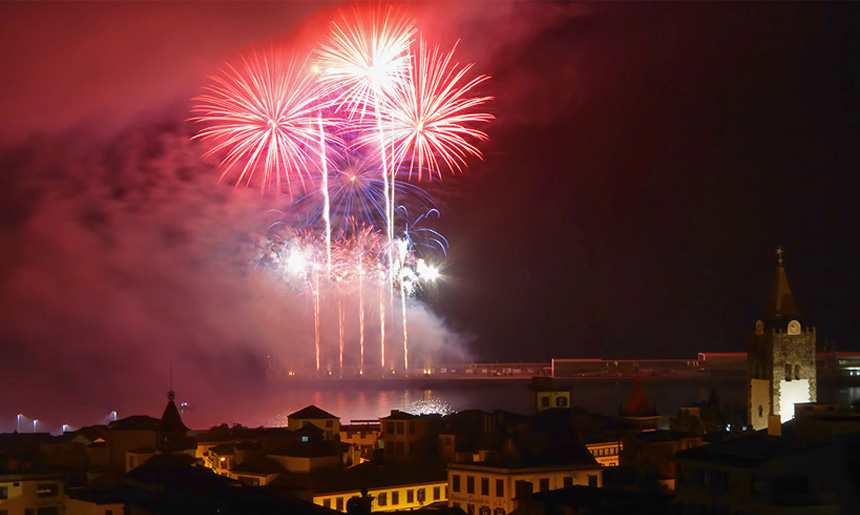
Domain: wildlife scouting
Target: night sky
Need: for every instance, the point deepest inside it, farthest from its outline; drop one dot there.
(646, 162)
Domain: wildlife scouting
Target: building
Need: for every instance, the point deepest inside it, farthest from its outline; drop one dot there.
(487, 488)
(638, 411)
(329, 423)
(30, 493)
(391, 486)
(545, 394)
(362, 437)
(769, 474)
(407, 437)
(781, 364)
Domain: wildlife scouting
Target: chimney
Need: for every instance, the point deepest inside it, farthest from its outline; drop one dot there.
(774, 425)
(523, 495)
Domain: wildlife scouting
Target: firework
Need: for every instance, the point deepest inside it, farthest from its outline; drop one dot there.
(261, 116)
(365, 58)
(356, 190)
(430, 119)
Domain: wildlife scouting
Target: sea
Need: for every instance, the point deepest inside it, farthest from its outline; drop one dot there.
(367, 400)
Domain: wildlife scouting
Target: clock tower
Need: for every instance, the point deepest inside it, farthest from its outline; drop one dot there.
(780, 357)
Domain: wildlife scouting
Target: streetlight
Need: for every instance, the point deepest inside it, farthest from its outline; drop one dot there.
(19, 422)
(34, 424)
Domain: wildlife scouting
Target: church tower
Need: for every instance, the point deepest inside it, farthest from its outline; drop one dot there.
(780, 357)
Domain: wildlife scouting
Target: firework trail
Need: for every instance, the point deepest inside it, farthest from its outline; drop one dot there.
(373, 116)
(365, 60)
(430, 119)
(261, 116)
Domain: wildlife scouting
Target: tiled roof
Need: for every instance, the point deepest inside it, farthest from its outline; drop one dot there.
(311, 412)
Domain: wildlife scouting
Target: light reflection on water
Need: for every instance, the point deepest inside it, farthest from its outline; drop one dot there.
(369, 401)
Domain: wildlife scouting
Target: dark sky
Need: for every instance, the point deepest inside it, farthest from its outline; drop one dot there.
(646, 161)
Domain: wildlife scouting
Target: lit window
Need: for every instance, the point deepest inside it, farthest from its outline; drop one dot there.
(47, 490)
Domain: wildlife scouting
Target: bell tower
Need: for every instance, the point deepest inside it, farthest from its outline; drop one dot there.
(780, 357)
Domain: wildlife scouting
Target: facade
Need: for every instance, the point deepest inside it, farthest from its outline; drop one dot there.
(388, 498)
(312, 415)
(606, 452)
(407, 437)
(30, 493)
(485, 489)
(546, 395)
(781, 365)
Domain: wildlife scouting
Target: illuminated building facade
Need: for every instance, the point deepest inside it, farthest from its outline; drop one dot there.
(781, 367)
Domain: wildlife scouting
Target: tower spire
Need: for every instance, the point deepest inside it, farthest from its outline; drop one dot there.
(170, 394)
(779, 255)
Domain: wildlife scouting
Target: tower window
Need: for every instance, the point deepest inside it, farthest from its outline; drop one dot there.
(760, 411)
(797, 371)
(788, 372)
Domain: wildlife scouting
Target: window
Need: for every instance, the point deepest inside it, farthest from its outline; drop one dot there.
(436, 493)
(47, 490)
(470, 484)
(561, 402)
(4, 493)
(456, 505)
(500, 488)
(592, 480)
(485, 510)
(568, 482)
(389, 428)
(400, 428)
(108, 512)
(382, 499)
(50, 510)
(797, 371)
(339, 504)
(788, 372)
(470, 509)
(410, 496)
(422, 494)
(760, 411)
(544, 484)
(455, 480)
(327, 503)
(485, 486)
(411, 426)
(395, 497)
(398, 448)
(329, 423)
(29, 511)
(499, 511)
(544, 402)
(304, 439)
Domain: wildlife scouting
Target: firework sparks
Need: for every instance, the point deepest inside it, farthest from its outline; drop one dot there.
(261, 116)
(365, 58)
(430, 119)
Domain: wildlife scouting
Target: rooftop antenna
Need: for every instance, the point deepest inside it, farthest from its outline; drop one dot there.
(170, 394)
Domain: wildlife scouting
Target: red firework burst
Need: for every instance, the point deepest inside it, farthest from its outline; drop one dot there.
(262, 116)
(431, 117)
(366, 58)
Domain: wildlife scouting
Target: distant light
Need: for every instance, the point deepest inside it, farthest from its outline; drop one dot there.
(223, 459)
